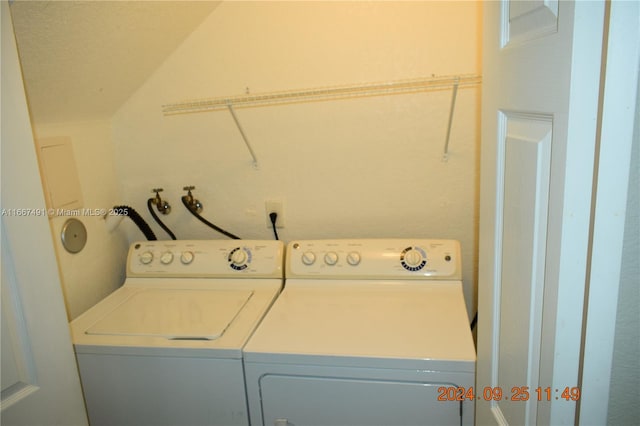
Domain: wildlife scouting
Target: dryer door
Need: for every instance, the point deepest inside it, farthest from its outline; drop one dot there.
(309, 400)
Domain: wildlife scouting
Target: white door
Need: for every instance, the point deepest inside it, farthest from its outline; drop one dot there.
(40, 383)
(540, 106)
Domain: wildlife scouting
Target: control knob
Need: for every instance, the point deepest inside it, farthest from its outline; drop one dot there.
(239, 256)
(308, 258)
(331, 258)
(166, 258)
(353, 258)
(412, 258)
(186, 257)
(146, 257)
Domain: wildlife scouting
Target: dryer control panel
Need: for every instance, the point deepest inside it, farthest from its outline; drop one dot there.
(206, 258)
(374, 259)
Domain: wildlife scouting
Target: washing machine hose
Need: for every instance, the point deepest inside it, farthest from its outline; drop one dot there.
(138, 220)
(474, 321)
(157, 219)
(206, 222)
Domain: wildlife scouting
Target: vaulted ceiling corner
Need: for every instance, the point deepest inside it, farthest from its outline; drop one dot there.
(82, 60)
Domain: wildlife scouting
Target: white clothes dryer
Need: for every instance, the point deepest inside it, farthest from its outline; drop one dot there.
(365, 332)
(166, 347)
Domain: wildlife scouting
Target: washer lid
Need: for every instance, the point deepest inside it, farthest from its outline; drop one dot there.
(173, 314)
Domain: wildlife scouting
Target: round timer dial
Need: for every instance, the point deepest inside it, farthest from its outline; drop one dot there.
(413, 258)
(239, 258)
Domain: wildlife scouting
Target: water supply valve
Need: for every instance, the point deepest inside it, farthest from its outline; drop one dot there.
(193, 204)
(163, 206)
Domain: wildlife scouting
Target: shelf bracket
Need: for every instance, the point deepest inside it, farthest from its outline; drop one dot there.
(244, 136)
(445, 155)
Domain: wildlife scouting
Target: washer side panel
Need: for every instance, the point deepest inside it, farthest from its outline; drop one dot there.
(148, 390)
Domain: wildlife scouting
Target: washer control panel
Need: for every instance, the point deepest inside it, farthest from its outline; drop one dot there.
(374, 259)
(206, 258)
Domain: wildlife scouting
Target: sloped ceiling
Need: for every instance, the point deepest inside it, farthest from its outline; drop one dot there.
(81, 60)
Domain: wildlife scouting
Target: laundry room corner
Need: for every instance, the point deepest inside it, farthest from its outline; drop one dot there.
(362, 167)
(72, 56)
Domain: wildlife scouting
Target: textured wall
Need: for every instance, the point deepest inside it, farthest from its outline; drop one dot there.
(82, 59)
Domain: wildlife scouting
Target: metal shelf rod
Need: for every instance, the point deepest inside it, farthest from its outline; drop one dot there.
(445, 156)
(244, 136)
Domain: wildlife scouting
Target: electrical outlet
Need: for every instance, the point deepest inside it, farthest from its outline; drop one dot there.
(274, 206)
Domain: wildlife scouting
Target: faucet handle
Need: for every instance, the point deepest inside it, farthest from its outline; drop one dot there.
(163, 206)
(194, 204)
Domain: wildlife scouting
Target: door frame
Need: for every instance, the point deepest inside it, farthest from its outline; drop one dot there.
(617, 120)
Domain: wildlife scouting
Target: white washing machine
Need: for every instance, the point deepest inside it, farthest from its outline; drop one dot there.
(166, 347)
(365, 332)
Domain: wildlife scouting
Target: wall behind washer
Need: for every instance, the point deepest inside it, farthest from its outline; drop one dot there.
(93, 273)
(366, 167)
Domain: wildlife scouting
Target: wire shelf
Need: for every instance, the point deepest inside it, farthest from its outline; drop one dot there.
(322, 93)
